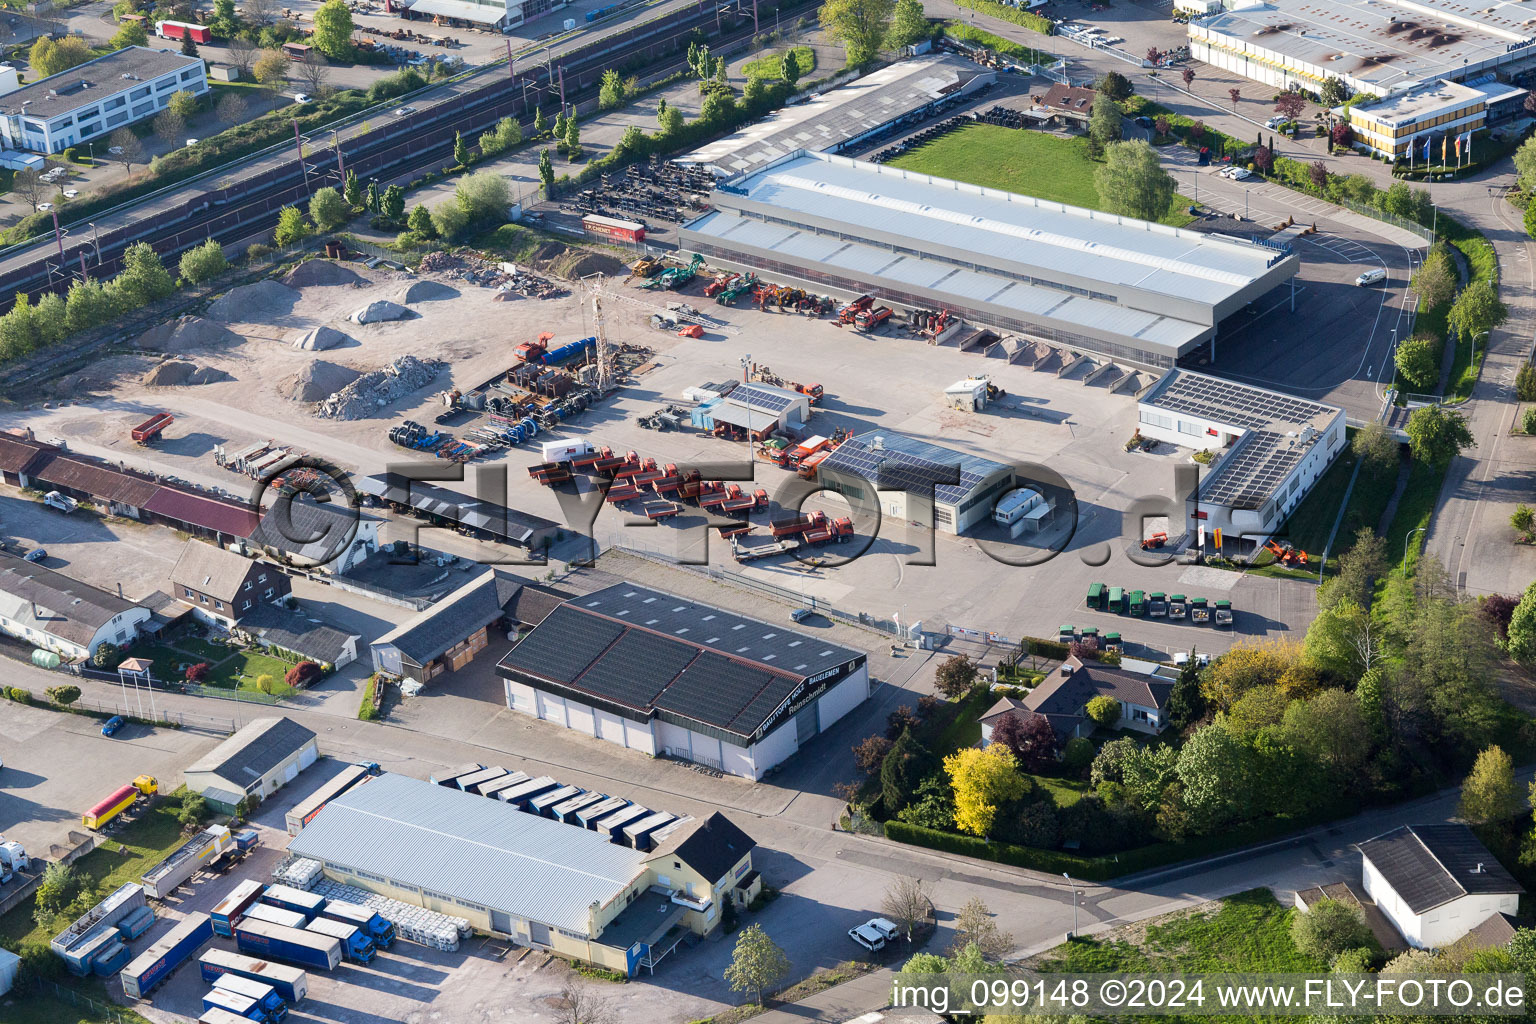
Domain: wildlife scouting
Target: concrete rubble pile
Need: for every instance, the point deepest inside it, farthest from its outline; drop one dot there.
(372, 391)
(505, 277)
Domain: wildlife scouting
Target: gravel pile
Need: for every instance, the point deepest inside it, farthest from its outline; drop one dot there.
(318, 339)
(372, 391)
(253, 303)
(322, 272)
(318, 380)
(380, 311)
(185, 334)
(425, 291)
(182, 373)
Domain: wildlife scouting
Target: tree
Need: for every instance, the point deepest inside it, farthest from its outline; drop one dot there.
(226, 21)
(1489, 793)
(509, 133)
(1333, 92)
(1328, 929)
(1029, 738)
(371, 197)
(328, 209)
(450, 221)
(333, 29)
(1331, 727)
(754, 94)
(1525, 382)
(1133, 182)
(789, 68)
(718, 107)
(194, 809)
(1114, 85)
(1216, 771)
(546, 174)
(203, 262)
(908, 25)
(266, 683)
(291, 226)
(1290, 104)
(315, 71)
(1477, 310)
(1243, 667)
(143, 278)
(198, 672)
(572, 140)
(242, 55)
(1376, 448)
(1317, 172)
(1234, 94)
(955, 677)
(170, 127)
(869, 754)
(611, 93)
(302, 674)
(129, 33)
(974, 925)
(49, 56)
(271, 71)
(1104, 710)
(1525, 164)
(57, 890)
(188, 46)
(671, 122)
(757, 963)
(1105, 124)
(982, 780)
(1522, 519)
(484, 195)
(906, 903)
(861, 26)
(63, 695)
(460, 150)
(1259, 708)
(1161, 126)
(1529, 220)
(49, 319)
(579, 1003)
(559, 127)
(1344, 640)
(1340, 135)
(352, 190)
(1437, 435)
(1264, 159)
(28, 183)
(903, 768)
(1188, 76)
(1436, 278)
(183, 105)
(260, 12)
(1522, 628)
(392, 203)
(1419, 363)
(420, 222)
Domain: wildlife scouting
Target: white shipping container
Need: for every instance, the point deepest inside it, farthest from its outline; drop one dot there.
(10, 963)
(564, 450)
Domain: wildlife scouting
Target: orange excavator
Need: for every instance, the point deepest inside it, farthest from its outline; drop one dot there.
(1285, 554)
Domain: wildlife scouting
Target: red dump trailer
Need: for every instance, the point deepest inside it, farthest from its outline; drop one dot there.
(150, 429)
(797, 524)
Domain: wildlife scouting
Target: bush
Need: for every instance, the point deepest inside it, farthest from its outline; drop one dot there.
(19, 695)
(366, 711)
(64, 695)
(1077, 755)
(197, 673)
(108, 655)
(204, 262)
(194, 810)
(302, 674)
(257, 251)
(1328, 929)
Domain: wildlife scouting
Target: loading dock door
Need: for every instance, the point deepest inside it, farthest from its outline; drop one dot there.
(538, 933)
(807, 723)
(501, 921)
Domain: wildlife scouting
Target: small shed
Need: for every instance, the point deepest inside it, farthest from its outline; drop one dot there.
(969, 395)
(10, 964)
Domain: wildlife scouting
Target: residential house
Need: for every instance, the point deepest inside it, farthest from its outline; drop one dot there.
(58, 613)
(257, 761)
(1436, 882)
(299, 631)
(223, 587)
(1067, 105)
(1063, 696)
(710, 862)
(330, 535)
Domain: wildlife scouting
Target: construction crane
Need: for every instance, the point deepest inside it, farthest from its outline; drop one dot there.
(604, 359)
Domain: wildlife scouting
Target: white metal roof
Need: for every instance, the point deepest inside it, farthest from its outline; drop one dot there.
(471, 848)
(461, 9)
(1009, 230)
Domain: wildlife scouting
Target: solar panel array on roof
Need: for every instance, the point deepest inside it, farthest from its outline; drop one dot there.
(1237, 404)
(761, 398)
(564, 645)
(1255, 468)
(905, 463)
(637, 668)
(718, 691)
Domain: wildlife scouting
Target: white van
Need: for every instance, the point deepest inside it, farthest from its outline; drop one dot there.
(1371, 277)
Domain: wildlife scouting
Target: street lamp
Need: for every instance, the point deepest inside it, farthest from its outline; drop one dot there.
(1418, 529)
(1074, 904)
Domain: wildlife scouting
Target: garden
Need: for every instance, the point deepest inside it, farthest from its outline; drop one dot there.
(220, 663)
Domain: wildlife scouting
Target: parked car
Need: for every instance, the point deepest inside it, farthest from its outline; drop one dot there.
(1182, 658)
(37, 554)
(1274, 122)
(1371, 277)
(71, 193)
(868, 937)
(44, 207)
(801, 614)
(1240, 174)
(111, 725)
(405, 111)
(304, 97)
(884, 927)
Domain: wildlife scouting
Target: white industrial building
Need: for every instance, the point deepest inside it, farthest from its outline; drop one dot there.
(1435, 883)
(894, 470)
(57, 613)
(497, 14)
(670, 677)
(1374, 46)
(262, 757)
(1269, 448)
(1081, 279)
(89, 102)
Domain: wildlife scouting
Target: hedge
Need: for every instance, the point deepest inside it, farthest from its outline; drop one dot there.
(1101, 868)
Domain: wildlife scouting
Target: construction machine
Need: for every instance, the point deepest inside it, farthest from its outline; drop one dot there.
(849, 314)
(1157, 540)
(871, 319)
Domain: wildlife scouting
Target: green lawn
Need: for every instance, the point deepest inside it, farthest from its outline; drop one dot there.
(1026, 162)
(962, 726)
(1248, 933)
(771, 67)
(230, 667)
(1414, 510)
(1065, 792)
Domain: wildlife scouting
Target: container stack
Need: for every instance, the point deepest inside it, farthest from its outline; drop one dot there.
(416, 924)
(300, 872)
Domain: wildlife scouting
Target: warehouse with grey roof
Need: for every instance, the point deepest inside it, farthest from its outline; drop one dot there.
(899, 473)
(258, 760)
(1083, 280)
(671, 677)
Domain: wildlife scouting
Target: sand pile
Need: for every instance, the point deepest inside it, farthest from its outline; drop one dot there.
(425, 291)
(318, 339)
(185, 334)
(318, 380)
(322, 272)
(182, 372)
(588, 263)
(372, 391)
(252, 303)
(380, 311)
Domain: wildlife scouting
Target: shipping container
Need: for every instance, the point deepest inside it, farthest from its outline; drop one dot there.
(232, 907)
(182, 30)
(450, 777)
(276, 915)
(566, 811)
(612, 826)
(614, 229)
(589, 816)
(241, 1006)
(305, 810)
(638, 833)
(258, 938)
(81, 957)
(219, 1015)
(136, 924)
(265, 995)
(355, 943)
(518, 796)
(471, 783)
(169, 952)
(125, 900)
(289, 898)
(189, 858)
(112, 958)
(544, 802)
(290, 982)
(373, 924)
(121, 799)
(564, 450)
(495, 788)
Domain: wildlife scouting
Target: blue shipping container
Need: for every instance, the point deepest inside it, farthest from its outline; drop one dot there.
(155, 964)
(290, 982)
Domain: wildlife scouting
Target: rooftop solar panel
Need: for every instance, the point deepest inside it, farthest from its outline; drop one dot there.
(562, 653)
(637, 668)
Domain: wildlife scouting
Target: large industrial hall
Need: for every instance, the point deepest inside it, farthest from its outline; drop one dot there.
(1097, 282)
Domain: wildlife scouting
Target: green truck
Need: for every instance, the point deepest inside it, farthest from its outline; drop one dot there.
(1096, 596)
(1223, 613)
(1178, 606)
(1157, 604)
(1116, 600)
(1199, 611)
(1138, 603)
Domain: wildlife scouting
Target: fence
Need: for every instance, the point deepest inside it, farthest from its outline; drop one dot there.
(104, 1011)
(191, 689)
(1366, 210)
(141, 709)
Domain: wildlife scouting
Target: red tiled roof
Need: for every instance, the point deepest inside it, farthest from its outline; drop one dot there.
(17, 452)
(210, 514)
(99, 481)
